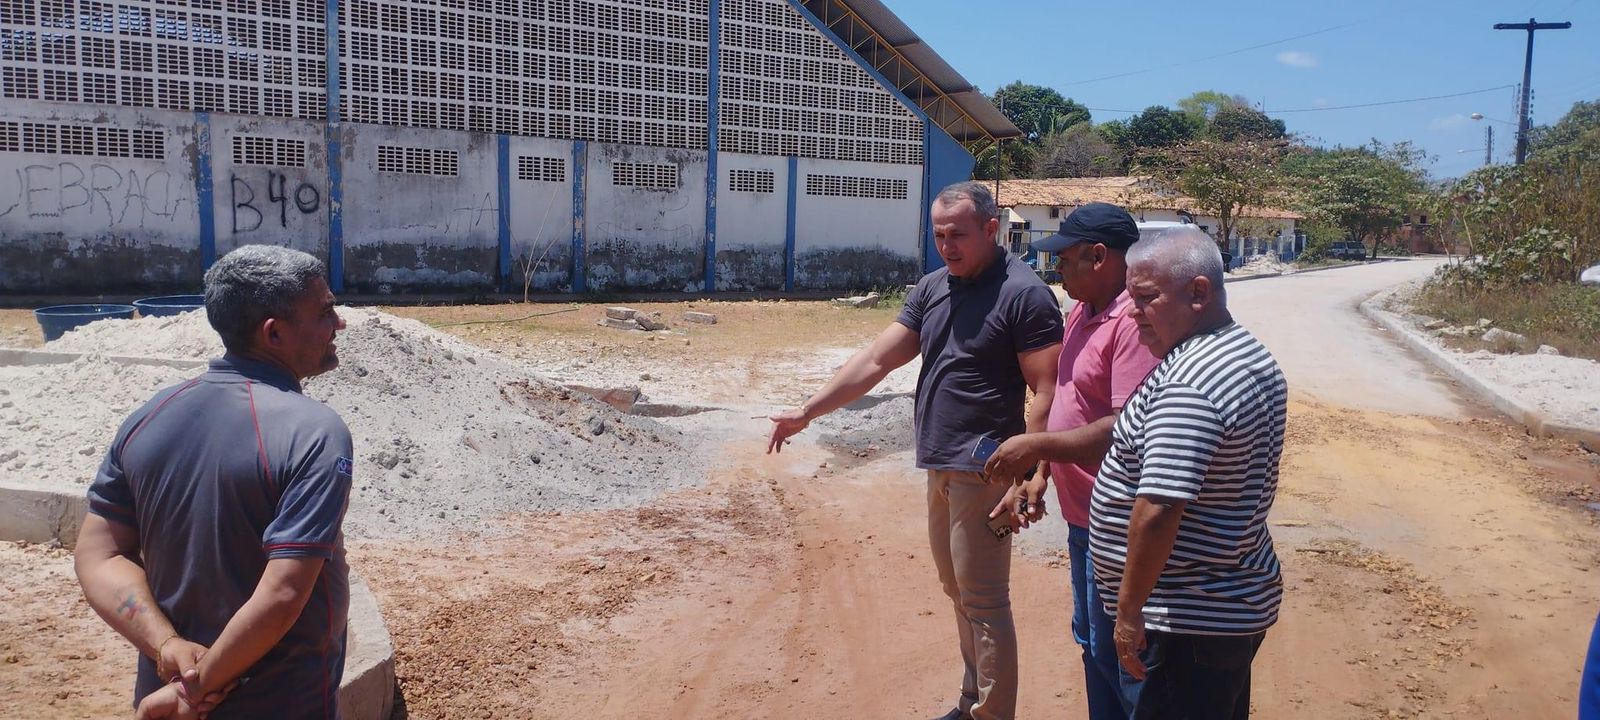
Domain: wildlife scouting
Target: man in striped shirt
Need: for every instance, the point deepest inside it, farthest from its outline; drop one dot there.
(1178, 518)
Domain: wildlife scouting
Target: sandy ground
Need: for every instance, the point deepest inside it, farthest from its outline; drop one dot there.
(1436, 566)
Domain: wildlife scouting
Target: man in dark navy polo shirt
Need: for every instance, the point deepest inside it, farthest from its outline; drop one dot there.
(988, 329)
(213, 538)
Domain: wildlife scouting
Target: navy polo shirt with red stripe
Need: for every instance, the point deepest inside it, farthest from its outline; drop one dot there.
(220, 474)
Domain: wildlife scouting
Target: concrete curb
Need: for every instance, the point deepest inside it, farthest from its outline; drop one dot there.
(366, 692)
(1537, 423)
(1320, 268)
(28, 356)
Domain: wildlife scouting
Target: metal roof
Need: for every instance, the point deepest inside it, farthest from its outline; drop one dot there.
(912, 67)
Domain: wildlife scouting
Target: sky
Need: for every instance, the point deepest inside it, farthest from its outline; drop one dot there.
(1333, 54)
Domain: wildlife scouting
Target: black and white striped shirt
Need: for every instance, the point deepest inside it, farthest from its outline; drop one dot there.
(1206, 427)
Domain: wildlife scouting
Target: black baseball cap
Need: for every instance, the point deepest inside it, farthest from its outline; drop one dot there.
(1096, 222)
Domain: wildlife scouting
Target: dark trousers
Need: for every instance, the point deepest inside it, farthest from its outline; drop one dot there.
(1197, 677)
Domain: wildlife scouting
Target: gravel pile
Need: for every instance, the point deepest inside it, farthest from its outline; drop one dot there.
(876, 424)
(447, 434)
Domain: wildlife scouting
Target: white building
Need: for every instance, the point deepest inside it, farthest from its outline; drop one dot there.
(423, 145)
(1035, 208)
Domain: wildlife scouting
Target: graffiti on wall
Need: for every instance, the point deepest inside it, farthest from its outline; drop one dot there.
(272, 204)
(99, 192)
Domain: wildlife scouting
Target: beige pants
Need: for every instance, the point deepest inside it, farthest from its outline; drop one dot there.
(975, 569)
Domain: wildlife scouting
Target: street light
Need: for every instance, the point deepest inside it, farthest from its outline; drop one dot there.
(1488, 137)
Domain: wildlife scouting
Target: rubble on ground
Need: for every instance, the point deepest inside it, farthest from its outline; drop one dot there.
(870, 300)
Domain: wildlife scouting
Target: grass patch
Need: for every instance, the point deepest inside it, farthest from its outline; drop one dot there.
(1564, 315)
(892, 297)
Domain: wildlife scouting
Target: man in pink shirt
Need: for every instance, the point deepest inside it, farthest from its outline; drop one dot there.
(1102, 363)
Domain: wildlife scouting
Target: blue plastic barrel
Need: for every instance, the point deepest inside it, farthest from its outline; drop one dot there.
(56, 320)
(169, 305)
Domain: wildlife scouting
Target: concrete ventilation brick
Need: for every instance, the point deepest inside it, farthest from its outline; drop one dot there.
(858, 187)
(751, 181)
(787, 90)
(238, 56)
(486, 67)
(279, 152)
(87, 140)
(645, 176)
(418, 161)
(541, 169)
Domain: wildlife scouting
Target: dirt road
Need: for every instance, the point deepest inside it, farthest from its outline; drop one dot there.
(1437, 566)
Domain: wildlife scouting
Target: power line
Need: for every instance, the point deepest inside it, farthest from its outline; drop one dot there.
(1390, 102)
(1213, 57)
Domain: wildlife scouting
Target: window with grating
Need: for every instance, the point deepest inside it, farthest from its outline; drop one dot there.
(36, 137)
(753, 181)
(257, 150)
(646, 176)
(418, 161)
(859, 187)
(541, 169)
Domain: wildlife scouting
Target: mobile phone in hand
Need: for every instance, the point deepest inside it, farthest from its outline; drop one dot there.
(1001, 525)
(985, 448)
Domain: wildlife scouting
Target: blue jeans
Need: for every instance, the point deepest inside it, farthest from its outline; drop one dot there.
(1112, 693)
(1589, 690)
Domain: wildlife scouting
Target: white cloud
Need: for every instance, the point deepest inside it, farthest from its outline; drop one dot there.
(1296, 58)
(1448, 122)
(1320, 102)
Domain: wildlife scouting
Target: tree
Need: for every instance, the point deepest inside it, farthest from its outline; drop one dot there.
(1038, 110)
(1222, 177)
(1078, 151)
(1019, 155)
(1366, 192)
(1559, 139)
(1243, 123)
(1205, 105)
(1159, 126)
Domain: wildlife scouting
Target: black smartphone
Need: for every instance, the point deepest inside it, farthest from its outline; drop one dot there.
(1000, 526)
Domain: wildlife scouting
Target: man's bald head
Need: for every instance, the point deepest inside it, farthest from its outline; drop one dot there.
(1175, 280)
(1179, 255)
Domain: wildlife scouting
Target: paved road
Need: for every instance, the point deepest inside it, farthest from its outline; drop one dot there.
(1328, 349)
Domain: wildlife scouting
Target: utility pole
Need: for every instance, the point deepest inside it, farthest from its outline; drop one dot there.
(1527, 77)
(1488, 145)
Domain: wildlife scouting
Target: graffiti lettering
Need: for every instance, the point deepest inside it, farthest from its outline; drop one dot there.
(67, 190)
(474, 215)
(307, 199)
(247, 217)
(237, 183)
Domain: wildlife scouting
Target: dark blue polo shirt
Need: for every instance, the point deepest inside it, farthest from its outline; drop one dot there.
(220, 474)
(971, 332)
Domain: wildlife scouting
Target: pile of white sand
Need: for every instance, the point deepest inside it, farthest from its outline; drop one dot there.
(447, 434)
(185, 335)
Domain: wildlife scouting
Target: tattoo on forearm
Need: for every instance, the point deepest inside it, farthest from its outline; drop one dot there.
(129, 609)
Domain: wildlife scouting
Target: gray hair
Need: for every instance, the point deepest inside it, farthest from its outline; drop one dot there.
(1180, 254)
(253, 283)
(977, 192)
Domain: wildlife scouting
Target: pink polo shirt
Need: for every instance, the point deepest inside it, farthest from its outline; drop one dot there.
(1102, 363)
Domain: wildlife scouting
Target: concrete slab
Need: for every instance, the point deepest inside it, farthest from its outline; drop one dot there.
(28, 356)
(40, 516)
